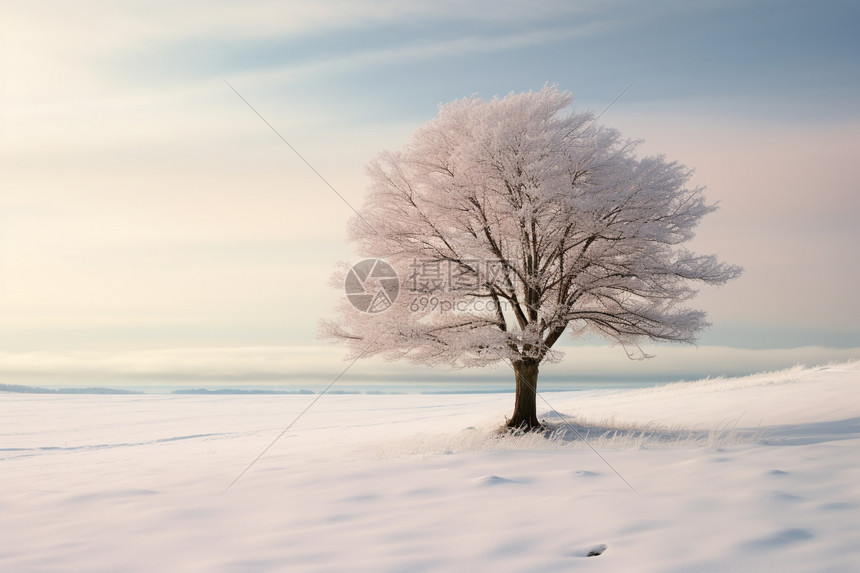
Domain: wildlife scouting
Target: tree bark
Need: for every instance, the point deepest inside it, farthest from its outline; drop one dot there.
(525, 404)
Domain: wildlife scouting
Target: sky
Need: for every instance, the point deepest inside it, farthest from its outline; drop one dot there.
(155, 231)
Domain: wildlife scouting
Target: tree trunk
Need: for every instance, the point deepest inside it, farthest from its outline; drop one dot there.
(525, 405)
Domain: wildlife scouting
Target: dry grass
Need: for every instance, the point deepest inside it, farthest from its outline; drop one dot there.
(573, 434)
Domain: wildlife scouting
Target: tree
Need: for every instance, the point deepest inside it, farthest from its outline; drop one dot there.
(509, 222)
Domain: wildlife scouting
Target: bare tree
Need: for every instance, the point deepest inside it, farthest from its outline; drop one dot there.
(510, 221)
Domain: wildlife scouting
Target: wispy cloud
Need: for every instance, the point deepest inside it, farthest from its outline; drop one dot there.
(421, 50)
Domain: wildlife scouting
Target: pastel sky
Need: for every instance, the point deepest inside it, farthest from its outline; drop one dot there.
(153, 230)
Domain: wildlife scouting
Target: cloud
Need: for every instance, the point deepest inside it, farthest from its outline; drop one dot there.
(176, 366)
(410, 52)
(595, 363)
(318, 365)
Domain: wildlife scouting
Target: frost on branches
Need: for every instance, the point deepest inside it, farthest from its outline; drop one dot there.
(531, 222)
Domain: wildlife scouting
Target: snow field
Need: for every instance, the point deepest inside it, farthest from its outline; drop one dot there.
(421, 483)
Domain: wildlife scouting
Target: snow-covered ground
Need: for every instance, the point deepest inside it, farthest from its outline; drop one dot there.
(747, 474)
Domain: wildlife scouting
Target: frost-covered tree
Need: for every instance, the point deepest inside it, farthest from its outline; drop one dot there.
(512, 221)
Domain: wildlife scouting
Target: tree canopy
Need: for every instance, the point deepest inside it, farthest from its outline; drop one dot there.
(511, 221)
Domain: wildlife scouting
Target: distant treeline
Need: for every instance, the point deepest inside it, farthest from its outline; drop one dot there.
(238, 391)
(21, 389)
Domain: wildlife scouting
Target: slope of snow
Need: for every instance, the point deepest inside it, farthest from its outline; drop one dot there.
(747, 474)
